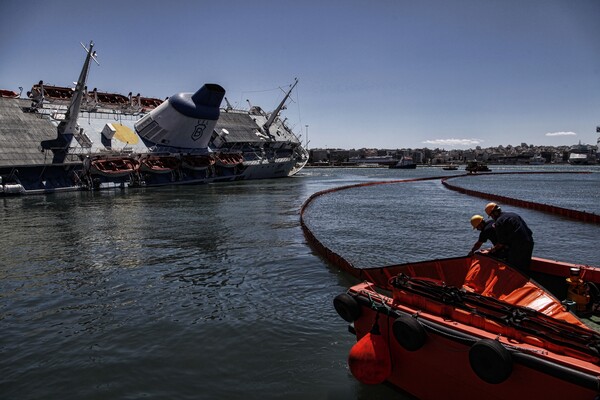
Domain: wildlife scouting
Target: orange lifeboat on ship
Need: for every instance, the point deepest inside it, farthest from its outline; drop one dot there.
(197, 162)
(229, 160)
(50, 92)
(477, 327)
(8, 94)
(113, 166)
(149, 103)
(159, 164)
(110, 99)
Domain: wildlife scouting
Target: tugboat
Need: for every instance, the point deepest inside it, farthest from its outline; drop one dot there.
(75, 139)
(476, 166)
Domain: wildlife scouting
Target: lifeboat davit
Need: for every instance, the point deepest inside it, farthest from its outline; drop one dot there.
(474, 328)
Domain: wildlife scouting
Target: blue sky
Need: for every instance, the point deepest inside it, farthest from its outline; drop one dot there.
(385, 74)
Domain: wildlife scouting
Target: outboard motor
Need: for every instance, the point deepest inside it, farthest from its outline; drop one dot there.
(184, 122)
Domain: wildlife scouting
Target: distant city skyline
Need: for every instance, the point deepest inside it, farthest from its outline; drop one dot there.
(520, 154)
(388, 73)
(441, 148)
(441, 145)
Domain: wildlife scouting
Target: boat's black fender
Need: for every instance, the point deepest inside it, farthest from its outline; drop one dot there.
(532, 361)
(347, 307)
(409, 332)
(490, 361)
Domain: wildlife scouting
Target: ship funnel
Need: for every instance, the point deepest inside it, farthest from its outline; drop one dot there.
(185, 122)
(210, 95)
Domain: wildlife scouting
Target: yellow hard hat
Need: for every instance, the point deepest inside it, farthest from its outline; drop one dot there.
(490, 207)
(476, 220)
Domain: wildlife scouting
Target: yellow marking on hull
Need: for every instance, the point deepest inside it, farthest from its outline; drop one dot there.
(125, 134)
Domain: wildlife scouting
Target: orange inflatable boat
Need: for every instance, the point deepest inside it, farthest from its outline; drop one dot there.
(475, 328)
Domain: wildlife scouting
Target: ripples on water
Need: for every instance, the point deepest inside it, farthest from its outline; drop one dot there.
(211, 291)
(413, 221)
(575, 191)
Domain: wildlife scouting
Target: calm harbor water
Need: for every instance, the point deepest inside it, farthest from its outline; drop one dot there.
(211, 292)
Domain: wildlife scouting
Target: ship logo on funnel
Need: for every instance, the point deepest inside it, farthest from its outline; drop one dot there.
(198, 130)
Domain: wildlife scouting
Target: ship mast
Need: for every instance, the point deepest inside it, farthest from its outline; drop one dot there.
(229, 107)
(274, 114)
(69, 125)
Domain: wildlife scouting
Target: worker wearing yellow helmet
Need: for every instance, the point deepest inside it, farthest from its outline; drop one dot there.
(486, 232)
(514, 237)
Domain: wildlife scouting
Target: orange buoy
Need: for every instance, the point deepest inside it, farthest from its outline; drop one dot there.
(369, 359)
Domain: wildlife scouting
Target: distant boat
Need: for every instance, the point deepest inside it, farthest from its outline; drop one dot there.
(537, 160)
(404, 163)
(450, 167)
(374, 160)
(582, 154)
(476, 166)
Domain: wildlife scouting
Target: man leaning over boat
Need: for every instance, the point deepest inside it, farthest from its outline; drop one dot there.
(487, 231)
(514, 237)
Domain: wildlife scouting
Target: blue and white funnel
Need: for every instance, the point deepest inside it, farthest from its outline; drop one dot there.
(185, 122)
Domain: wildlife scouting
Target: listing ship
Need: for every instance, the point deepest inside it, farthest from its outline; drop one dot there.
(63, 139)
(582, 154)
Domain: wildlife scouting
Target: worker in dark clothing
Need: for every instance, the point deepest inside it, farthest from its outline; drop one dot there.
(514, 236)
(486, 229)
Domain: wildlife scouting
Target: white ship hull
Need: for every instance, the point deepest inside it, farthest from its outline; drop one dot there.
(582, 159)
(582, 154)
